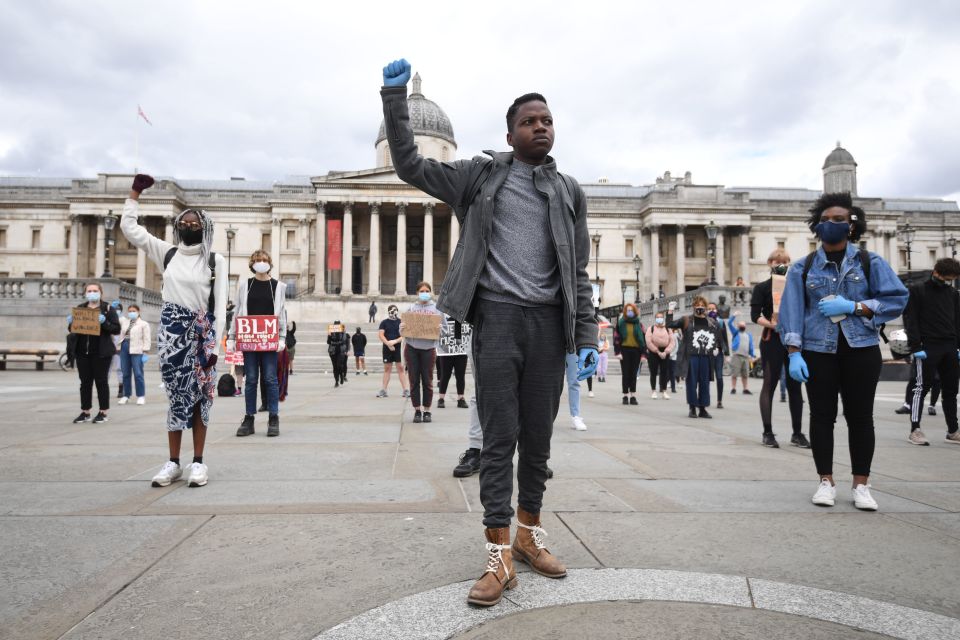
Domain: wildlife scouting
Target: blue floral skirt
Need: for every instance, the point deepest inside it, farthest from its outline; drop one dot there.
(186, 341)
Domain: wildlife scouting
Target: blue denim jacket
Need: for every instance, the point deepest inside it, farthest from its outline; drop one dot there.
(801, 323)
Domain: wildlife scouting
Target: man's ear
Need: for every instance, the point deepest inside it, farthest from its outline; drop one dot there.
(510, 139)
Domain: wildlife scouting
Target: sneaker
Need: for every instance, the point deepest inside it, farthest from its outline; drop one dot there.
(246, 427)
(365, 372)
(633, 400)
(625, 401)
(356, 373)
(902, 410)
(577, 423)
(417, 416)
(427, 417)
(83, 417)
(273, 426)
(693, 413)
(826, 495)
(198, 475)
(382, 393)
(590, 394)
(783, 398)
(862, 498)
(123, 400)
(703, 413)
(800, 440)
(549, 473)
(238, 392)
(931, 410)
(336, 385)
(169, 472)
(916, 437)
(101, 417)
(462, 404)
(953, 437)
(469, 464)
(666, 396)
(141, 400)
(263, 407)
(441, 404)
(747, 392)
(654, 395)
(719, 405)
(733, 392)
(770, 440)
(406, 393)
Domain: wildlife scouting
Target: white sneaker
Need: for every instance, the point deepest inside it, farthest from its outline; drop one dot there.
(826, 495)
(666, 395)
(590, 394)
(953, 437)
(654, 395)
(141, 400)
(123, 400)
(198, 475)
(578, 423)
(170, 472)
(862, 498)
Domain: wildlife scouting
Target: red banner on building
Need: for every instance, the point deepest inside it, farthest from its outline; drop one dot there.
(334, 244)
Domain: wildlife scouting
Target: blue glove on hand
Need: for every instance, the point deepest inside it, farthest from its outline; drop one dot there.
(144, 358)
(798, 368)
(397, 73)
(837, 306)
(587, 365)
(69, 319)
(103, 318)
(922, 355)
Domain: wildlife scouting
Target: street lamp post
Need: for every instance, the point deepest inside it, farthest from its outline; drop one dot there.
(231, 234)
(908, 235)
(636, 269)
(596, 263)
(712, 237)
(108, 223)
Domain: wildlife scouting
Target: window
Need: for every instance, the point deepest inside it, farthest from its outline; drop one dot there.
(265, 242)
(753, 253)
(63, 274)
(933, 256)
(660, 247)
(35, 238)
(781, 244)
(291, 238)
(688, 251)
(33, 274)
(903, 257)
(628, 247)
(3, 238)
(66, 237)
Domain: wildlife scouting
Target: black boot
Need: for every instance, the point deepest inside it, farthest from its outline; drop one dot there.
(469, 464)
(441, 404)
(273, 426)
(246, 427)
(417, 416)
(427, 417)
(693, 412)
(703, 413)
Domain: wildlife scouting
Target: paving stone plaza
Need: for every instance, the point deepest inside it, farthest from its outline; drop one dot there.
(350, 525)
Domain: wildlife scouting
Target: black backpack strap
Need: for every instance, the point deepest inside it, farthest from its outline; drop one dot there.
(807, 264)
(865, 265)
(168, 257)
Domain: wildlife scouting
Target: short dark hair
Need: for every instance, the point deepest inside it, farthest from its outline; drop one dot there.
(843, 200)
(947, 267)
(525, 98)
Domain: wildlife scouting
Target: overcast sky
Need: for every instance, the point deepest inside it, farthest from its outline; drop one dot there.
(740, 94)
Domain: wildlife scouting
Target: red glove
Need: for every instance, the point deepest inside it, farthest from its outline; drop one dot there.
(142, 181)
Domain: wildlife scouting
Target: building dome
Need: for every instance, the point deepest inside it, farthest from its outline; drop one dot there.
(839, 156)
(426, 117)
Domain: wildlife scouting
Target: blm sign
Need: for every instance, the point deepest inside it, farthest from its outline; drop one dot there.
(258, 333)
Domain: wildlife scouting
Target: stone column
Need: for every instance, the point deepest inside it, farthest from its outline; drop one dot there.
(745, 254)
(275, 229)
(401, 249)
(100, 254)
(645, 253)
(346, 281)
(454, 235)
(428, 243)
(373, 282)
(320, 261)
(655, 259)
(681, 259)
(73, 248)
(720, 257)
(168, 228)
(304, 254)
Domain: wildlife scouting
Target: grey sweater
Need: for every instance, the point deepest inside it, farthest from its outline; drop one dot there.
(521, 266)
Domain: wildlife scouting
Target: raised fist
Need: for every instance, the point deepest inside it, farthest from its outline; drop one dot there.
(142, 181)
(397, 73)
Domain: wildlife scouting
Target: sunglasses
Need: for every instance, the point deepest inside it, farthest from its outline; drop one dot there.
(189, 225)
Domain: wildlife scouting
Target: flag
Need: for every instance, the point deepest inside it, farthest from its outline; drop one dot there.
(143, 115)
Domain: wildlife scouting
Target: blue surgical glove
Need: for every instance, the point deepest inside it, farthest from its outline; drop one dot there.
(70, 319)
(920, 355)
(838, 306)
(103, 318)
(144, 358)
(397, 73)
(798, 368)
(587, 364)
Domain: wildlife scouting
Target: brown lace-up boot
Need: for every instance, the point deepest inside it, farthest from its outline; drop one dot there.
(499, 574)
(528, 546)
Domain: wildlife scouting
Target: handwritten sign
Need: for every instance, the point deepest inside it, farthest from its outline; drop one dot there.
(258, 333)
(336, 328)
(448, 344)
(779, 282)
(86, 321)
(234, 357)
(425, 326)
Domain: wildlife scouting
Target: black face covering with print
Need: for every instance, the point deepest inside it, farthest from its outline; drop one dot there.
(191, 237)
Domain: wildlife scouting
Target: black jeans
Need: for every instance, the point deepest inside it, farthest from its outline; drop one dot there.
(629, 365)
(456, 365)
(774, 356)
(519, 360)
(657, 367)
(93, 369)
(941, 359)
(852, 374)
(420, 364)
(717, 362)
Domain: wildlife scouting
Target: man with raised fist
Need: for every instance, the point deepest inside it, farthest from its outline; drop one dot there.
(519, 276)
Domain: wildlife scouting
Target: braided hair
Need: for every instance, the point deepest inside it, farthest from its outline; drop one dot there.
(205, 222)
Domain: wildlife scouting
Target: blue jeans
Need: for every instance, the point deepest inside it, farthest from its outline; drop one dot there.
(255, 363)
(698, 381)
(573, 385)
(131, 363)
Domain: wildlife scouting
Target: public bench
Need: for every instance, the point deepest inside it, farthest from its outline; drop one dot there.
(39, 356)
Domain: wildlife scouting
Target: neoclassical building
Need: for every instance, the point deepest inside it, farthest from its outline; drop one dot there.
(344, 238)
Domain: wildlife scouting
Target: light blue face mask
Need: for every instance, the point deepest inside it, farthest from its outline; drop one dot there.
(93, 296)
(133, 315)
(424, 296)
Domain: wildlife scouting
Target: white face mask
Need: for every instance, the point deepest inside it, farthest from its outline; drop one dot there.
(261, 267)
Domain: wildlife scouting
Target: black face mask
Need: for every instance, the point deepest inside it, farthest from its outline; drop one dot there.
(191, 237)
(780, 269)
(940, 283)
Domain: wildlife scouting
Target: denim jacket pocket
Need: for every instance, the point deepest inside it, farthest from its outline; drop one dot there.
(855, 287)
(819, 287)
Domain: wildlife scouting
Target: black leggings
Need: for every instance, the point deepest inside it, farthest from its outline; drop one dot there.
(420, 364)
(657, 367)
(774, 356)
(93, 369)
(629, 364)
(456, 365)
(852, 374)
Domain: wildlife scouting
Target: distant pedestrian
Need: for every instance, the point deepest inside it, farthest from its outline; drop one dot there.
(702, 343)
(573, 392)
(133, 354)
(421, 355)
(93, 355)
(291, 346)
(720, 358)
(372, 312)
(660, 344)
(629, 345)
(115, 365)
(389, 335)
(359, 342)
(338, 348)
(604, 349)
(741, 354)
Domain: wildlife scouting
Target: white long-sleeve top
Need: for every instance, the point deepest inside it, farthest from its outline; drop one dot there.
(186, 280)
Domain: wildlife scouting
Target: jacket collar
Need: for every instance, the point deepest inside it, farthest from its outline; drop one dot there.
(547, 169)
(849, 255)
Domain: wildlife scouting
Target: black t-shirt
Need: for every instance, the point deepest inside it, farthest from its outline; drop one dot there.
(260, 297)
(836, 256)
(390, 328)
(761, 303)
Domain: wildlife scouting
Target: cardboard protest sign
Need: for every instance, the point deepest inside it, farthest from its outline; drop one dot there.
(234, 357)
(425, 326)
(336, 328)
(86, 321)
(448, 344)
(258, 333)
(779, 282)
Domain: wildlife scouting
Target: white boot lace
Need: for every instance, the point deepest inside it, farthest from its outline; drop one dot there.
(537, 532)
(495, 559)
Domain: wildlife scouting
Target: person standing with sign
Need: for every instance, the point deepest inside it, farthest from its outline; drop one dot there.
(421, 356)
(703, 342)
(261, 295)
(832, 307)
(452, 358)
(133, 354)
(338, 348)
(389, 335)
(95, 323)
(528, 298)
(192, 316)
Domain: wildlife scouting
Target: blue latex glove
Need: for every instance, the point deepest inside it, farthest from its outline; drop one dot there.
(103, 318)
(921, 355)
(587, 365)
(144, 358)
(69, 319)
(837, 306)
(115, 304)
(397, 73)
(798, 368)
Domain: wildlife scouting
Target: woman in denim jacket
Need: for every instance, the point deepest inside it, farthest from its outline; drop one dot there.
(829, 322)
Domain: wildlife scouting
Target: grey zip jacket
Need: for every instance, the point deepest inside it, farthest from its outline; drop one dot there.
(480, 177)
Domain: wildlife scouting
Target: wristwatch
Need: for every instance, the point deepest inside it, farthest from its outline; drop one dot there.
(858, 309)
